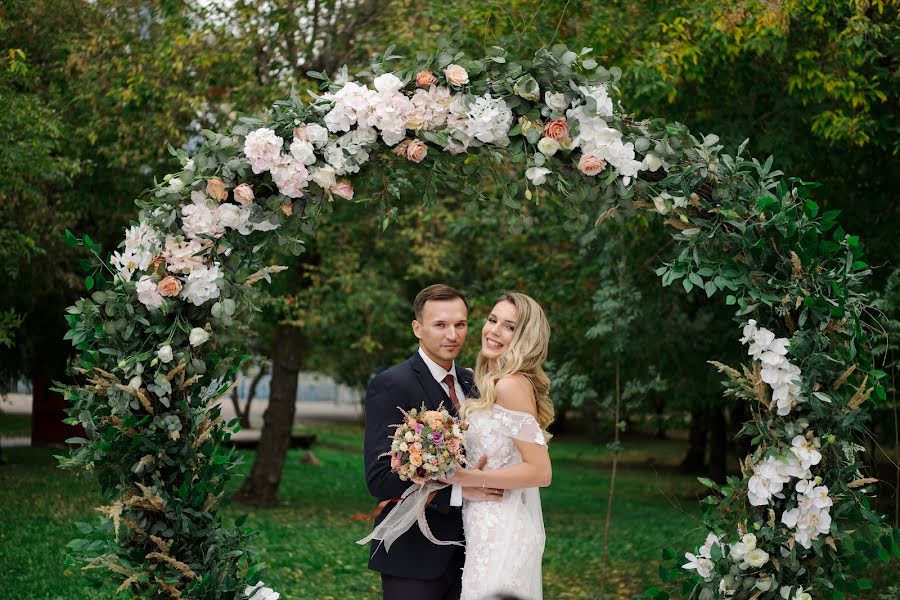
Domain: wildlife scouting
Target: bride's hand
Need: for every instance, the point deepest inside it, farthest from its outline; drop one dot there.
(466, 477)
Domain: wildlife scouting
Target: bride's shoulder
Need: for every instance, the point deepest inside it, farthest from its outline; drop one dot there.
(514, 392)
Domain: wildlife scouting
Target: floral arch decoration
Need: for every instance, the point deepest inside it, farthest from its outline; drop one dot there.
(151, 339)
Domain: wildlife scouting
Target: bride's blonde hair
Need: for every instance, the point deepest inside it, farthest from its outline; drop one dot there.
(525, 355)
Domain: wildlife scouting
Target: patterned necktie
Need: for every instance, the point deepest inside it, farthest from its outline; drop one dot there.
(451, 384)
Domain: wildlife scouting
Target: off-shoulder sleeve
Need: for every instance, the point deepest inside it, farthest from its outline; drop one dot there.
(517, 425)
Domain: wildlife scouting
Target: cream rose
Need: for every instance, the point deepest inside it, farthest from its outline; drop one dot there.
(591, 165)
(198, 336)
(169, 287)
(244, 194)
(548, 146)
(456, 75)
(164, 354)
(425, 78)
(324, 177)
(558, 129)
(416, 151)
(756, 558)
(215, 189)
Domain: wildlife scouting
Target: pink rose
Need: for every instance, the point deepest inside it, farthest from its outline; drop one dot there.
(452, 445)
(591, 165)
(400, 149)
(416, 151)
(215, 188)
(244, 194)
(343, 189)
(169, 287)
(425, 78)
(557, 129)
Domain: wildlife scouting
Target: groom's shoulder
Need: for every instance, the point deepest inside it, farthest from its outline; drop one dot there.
(399, 372)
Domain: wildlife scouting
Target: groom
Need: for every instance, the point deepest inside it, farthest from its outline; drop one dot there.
(416, 569)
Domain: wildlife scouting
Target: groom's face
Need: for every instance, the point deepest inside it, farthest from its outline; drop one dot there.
(442, 329)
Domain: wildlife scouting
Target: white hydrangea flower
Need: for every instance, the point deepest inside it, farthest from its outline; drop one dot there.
(303, 151)
(316, 134)
(488, 120)
(263, 149)
(180, 256)
(291, 177)
(597, 138)
(352, 104)
(429, 109)
(201, 217)
(202, 285)
(147, 294)
(236, 217)
(389, 113)
(388, 84)
(600, 96)
(555, 101)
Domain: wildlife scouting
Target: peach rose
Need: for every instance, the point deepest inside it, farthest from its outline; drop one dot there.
(215, 188)
(343, 188)
(287, 209)
(452, 445)
(169, 287)
(456, 75)
(400, 149)
(415, 459)
(591, 165)
(557, 129)
(416, 150)
(244, 194)
(425, 78)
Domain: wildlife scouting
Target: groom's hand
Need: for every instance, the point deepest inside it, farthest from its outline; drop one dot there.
(480, 494)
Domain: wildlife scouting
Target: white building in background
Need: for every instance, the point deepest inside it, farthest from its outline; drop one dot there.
(311, 387)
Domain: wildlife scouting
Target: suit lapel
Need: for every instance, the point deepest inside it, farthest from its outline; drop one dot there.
(434, 393)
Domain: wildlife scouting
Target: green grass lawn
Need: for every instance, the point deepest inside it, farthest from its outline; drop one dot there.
(307, 542)
(15, 425)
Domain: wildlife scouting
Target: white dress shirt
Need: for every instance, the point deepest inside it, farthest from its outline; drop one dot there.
(439, 373)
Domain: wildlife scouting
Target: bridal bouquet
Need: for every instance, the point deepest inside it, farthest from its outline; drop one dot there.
(428, 445)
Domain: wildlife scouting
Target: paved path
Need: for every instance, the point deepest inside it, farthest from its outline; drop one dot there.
(306, 412)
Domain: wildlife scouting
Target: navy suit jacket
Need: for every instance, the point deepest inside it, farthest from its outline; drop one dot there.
(408, 385)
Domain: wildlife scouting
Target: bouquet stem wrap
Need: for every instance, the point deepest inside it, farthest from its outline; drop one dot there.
(410, 509)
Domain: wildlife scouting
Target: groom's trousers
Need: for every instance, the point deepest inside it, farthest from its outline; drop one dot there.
(446, 587)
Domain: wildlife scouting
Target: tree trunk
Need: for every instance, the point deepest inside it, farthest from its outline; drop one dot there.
(695, 459)
(251, 393)
(261, 487)
(48, 409)
(718, 444)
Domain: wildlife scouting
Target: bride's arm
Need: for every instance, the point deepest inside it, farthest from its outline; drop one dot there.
(514, 393)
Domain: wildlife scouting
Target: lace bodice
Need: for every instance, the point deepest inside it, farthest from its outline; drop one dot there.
(504, 540)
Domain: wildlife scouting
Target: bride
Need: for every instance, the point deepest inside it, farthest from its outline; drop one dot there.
(505, 540)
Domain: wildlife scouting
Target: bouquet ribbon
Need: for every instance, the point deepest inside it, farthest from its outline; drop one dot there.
(410, 509)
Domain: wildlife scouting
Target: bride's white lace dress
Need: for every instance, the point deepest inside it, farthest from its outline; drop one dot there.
(504, 540)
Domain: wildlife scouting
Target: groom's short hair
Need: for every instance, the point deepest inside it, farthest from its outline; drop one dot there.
(438, 291)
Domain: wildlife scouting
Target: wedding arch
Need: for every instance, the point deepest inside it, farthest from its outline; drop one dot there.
(152, 338)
